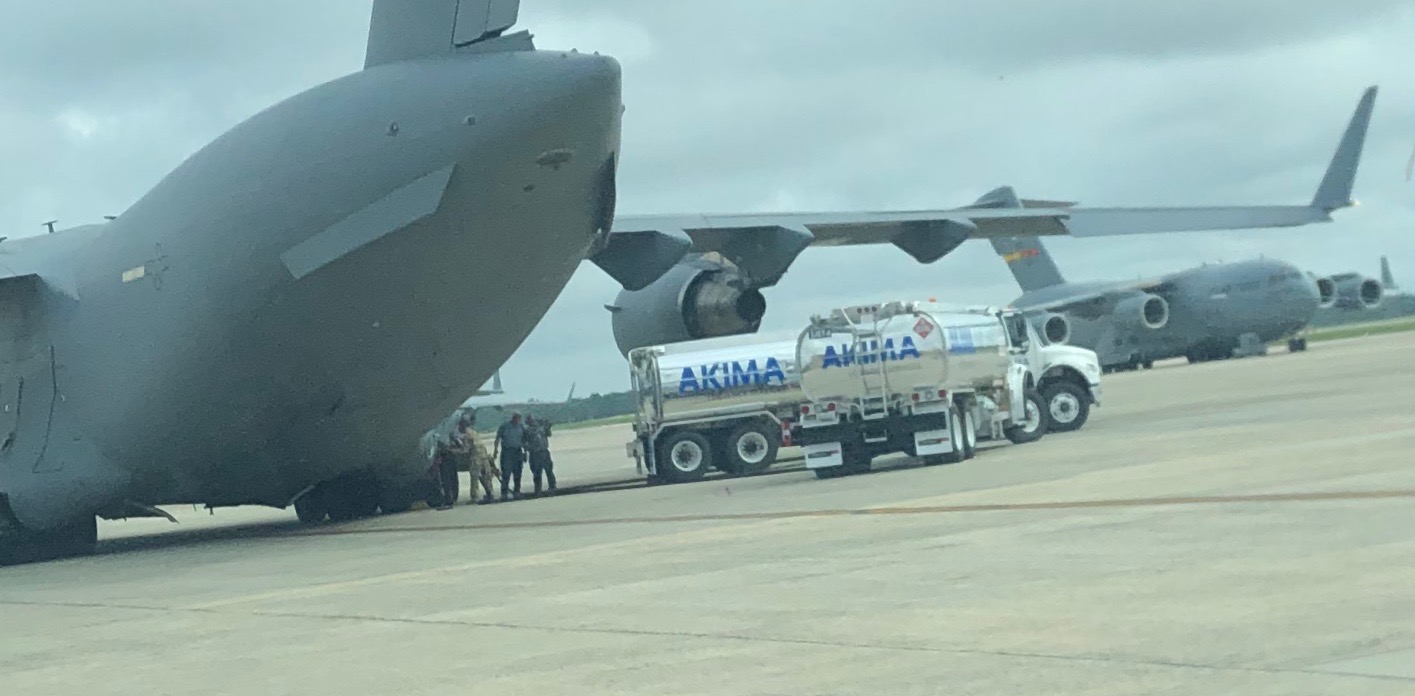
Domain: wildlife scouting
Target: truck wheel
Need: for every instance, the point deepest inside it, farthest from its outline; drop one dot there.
(857, 461)
(1296, 345)
(955, 439)
(830, 472)
(751, 449)
(1068, 406)
(684, 456)
(970, 434)
(1034, 425)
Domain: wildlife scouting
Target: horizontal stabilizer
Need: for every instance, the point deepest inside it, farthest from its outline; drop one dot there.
(410, 29)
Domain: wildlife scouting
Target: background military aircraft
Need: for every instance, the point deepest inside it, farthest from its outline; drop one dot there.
(1353, 297)
(1204, 313)
(267, 325)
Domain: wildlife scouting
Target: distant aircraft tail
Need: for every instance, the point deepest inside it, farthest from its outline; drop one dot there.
(1387, 279)
(408, 29)
(1030, 262)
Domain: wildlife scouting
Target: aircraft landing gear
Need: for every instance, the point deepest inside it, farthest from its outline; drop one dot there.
(346, 498)
(20, 545)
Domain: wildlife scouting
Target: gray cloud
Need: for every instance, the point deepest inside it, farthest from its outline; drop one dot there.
(773, 105)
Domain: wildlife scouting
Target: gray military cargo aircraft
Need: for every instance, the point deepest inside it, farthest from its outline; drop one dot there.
(1207, 313)
(715, 290)
(281, 319)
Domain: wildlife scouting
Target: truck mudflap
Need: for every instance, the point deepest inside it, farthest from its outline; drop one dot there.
(824, 455)
(928, 443)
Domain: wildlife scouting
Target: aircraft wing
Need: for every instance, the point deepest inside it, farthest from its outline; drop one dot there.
(641, 248)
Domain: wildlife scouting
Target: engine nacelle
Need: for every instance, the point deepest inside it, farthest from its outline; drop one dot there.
(1351, 291)
(696, 299)
(1057, 329)
(1149, 312)
(1326, 292)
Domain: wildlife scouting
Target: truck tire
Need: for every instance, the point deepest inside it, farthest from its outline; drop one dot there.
(1034, 425)
(750, 449)
(970, 434)
(857, 461)
(684, 456)
(1068, 406)
(955, 439)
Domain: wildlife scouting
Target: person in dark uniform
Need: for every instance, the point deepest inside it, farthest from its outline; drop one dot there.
(538, 449)
(510, 445)
(448, 484)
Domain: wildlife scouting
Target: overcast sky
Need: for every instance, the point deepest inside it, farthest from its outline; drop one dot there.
(776, 105)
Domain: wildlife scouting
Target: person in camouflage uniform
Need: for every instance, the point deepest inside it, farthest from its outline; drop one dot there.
(478, 462)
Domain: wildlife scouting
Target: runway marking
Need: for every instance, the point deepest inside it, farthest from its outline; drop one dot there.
(747, 520)
(1259, 498)
(711, 636)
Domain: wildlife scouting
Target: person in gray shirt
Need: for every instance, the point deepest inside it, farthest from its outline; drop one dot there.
(510, 444)
(538, 450)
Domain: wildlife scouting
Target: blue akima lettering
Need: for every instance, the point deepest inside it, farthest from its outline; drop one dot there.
(869, 354)
(725, 375)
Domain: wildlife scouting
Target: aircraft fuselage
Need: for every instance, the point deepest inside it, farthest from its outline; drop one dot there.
(279, 311)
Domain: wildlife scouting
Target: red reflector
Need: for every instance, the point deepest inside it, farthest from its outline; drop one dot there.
(806, 409)
(942, 394)
(830, 406)
(916, 396)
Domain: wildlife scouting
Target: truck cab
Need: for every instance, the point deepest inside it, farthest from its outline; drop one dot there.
(1068, 379)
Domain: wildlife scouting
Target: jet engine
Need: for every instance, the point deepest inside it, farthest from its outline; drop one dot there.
(1351, 291)
(1057, 329)
(695, 299)
(1144, 311)
(1326, 292)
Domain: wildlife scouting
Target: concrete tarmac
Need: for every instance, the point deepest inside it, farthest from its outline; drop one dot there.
(1235, 527)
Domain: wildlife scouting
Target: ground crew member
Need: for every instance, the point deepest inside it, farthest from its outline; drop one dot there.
(445, 461)
(473, 452)
(510, 444)
(538, 450)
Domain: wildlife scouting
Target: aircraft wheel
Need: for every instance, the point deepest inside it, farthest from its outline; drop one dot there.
(311, 507)
(19, 545)
(351, 498)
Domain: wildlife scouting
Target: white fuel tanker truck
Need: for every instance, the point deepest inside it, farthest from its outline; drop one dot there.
(913, 377)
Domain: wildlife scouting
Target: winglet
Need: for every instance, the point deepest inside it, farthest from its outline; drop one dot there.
(1335, 190)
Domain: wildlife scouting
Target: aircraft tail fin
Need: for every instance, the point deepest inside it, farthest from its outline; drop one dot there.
(1387, 279)
(1029, 262)
(408, 29)
(1335, 190)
